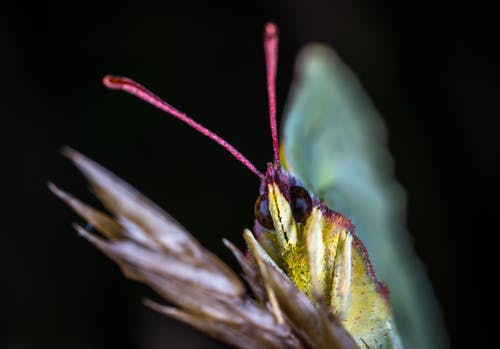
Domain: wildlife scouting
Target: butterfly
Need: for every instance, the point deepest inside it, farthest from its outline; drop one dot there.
(330, 167)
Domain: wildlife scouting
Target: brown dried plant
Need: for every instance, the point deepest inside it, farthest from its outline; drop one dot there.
(151, 247)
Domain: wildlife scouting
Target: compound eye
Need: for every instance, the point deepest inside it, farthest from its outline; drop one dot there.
(301, 203)
(262, 214)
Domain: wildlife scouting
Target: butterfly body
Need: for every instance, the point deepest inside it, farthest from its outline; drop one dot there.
(321, 253)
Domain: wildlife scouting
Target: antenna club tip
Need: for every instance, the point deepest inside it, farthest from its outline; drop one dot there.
(113, 82)
(271, 30)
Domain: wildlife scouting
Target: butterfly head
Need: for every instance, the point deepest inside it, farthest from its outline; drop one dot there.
(283, 199)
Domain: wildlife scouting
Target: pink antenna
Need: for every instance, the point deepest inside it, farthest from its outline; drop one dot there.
(271, 51)
(137, 90)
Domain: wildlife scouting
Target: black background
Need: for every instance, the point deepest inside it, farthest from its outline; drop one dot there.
(428, 67)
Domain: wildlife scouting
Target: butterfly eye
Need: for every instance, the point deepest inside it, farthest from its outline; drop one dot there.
(301, 203)
(261, 211)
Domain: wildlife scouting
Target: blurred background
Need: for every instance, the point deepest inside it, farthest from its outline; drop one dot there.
(429, 69)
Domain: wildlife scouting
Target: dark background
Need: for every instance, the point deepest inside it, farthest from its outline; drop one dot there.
(428, 67)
